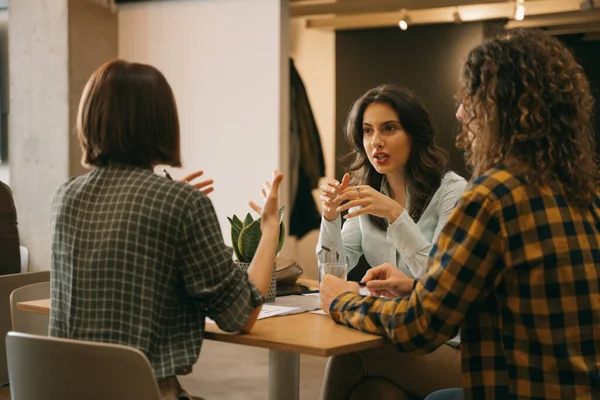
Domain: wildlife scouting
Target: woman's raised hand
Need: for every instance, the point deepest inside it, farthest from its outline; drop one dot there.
(329, 192)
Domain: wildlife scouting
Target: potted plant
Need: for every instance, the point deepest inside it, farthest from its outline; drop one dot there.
(245, 236)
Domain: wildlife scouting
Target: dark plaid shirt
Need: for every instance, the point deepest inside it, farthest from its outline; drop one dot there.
(139, 260)
(517, 269)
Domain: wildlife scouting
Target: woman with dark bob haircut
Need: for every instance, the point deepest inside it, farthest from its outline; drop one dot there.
(517, 267)
(138, 259)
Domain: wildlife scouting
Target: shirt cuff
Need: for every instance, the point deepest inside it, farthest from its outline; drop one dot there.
(399, 216)
(405, 235)
(330, 237)
(246, 297)
(340, 305)
(335, 224)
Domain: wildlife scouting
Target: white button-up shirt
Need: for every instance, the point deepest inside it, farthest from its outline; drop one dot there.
(405, 244)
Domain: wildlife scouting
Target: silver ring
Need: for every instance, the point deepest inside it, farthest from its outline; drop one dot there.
(358, 190)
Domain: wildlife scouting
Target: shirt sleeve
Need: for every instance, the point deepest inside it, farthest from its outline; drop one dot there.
(347, 240)
(210, 276)
(465, 265)
(407, 238)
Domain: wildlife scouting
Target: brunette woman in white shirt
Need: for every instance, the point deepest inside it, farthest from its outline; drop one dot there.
(399, 199)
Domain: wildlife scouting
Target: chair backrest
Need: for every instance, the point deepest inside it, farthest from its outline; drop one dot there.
(47, 368)
(27, 322)
(8, 283)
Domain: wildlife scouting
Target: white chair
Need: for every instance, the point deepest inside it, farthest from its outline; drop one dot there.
(46, 368)
(8, 283)
(28, 322)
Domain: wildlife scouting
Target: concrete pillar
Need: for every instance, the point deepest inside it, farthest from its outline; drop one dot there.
(54, 46)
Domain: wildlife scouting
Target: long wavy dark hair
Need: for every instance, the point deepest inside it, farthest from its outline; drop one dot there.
(427, 162)
(530, 108)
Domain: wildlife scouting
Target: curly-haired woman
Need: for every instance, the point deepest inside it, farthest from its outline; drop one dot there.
(517, 267)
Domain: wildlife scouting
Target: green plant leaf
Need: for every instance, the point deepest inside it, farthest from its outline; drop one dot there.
(236, 228)
(281, 211)
(281, 236)
(238, 222)
(281, 229)
(248, 220)
(248, 241)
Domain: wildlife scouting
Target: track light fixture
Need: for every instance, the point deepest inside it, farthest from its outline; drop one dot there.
(404, 19)
(519, 10)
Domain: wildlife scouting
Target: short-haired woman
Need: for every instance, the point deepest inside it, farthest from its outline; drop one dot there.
(138, 259)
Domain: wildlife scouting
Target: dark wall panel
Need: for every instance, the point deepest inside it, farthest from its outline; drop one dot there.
(428, 59)
(588, 55)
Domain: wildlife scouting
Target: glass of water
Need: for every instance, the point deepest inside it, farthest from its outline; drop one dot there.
(333, 268)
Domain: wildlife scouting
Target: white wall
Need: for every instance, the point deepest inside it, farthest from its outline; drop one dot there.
(226, 61)
(4, 175)
(39, 116)
(313, 52)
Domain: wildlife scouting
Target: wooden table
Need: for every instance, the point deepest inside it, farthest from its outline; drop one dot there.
(286, 337)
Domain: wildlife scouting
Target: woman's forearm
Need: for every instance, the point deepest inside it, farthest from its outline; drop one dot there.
(260, 271)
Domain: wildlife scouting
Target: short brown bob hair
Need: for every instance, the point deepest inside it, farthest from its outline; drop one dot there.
(127, 114)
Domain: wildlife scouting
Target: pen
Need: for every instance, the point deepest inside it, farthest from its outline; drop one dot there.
(361, 284)
(167, 174)
(298, 294)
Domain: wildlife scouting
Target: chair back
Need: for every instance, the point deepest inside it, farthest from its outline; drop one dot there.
(47, 368)
(28, 322)
(8, 283)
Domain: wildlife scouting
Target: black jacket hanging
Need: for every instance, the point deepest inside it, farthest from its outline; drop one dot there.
(307, 164)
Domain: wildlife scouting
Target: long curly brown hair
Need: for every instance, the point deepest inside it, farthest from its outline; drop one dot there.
(427, 162)
(529, 108)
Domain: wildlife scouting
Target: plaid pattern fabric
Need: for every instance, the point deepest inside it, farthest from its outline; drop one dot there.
(517, 269)
(139, 260)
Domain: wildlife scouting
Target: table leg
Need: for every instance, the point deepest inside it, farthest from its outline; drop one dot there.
(284, 375)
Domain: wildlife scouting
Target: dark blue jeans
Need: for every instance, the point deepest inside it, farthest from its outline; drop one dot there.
(446, 394)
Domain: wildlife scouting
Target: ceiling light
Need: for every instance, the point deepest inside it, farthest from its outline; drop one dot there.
(404, 20)
(519, 10)
(456, 16)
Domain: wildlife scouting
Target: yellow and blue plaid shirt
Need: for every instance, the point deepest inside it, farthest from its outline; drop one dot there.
(517, 270)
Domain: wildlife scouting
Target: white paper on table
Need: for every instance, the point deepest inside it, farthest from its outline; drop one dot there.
(271, 311)
(268, 311)
(363, 291)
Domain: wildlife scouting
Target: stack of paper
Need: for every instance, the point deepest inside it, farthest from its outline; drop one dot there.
(271, 311)
(274, 310)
